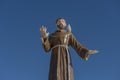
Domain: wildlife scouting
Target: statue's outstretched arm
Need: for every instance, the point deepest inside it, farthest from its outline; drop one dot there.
(80, 49)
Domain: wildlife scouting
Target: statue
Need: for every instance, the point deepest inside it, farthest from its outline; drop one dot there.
(58, 42)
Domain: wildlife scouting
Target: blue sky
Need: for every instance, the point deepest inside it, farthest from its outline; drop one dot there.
(95, 24)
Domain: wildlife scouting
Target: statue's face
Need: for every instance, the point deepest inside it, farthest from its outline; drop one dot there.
(61, 23)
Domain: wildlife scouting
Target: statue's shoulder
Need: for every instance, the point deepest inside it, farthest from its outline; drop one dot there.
(60, 34)
(53, 34)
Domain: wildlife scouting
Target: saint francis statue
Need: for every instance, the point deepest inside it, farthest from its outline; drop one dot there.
(59, 42)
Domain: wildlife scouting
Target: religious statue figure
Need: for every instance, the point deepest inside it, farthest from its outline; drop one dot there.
(59, 41)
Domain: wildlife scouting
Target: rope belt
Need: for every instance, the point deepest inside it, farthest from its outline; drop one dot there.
(60, 46)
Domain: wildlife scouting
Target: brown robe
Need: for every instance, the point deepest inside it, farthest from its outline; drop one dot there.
(60, 64)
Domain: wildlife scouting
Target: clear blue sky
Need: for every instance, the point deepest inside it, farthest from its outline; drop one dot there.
(95, 23)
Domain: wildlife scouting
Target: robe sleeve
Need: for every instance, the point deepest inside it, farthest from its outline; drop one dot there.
(81, 50)
(46, 44)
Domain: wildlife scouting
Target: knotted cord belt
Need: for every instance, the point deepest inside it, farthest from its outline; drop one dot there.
(60, 45)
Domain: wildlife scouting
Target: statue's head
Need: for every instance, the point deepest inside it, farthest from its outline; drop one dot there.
(61, 23)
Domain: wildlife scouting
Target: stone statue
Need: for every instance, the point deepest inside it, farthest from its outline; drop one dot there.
(58, 42)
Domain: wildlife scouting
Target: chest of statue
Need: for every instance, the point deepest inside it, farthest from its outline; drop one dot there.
(60, 39)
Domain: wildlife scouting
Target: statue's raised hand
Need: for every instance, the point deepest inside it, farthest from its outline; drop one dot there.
(43, 31)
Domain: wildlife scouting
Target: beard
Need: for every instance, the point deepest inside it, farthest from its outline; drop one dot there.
(61, 26)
